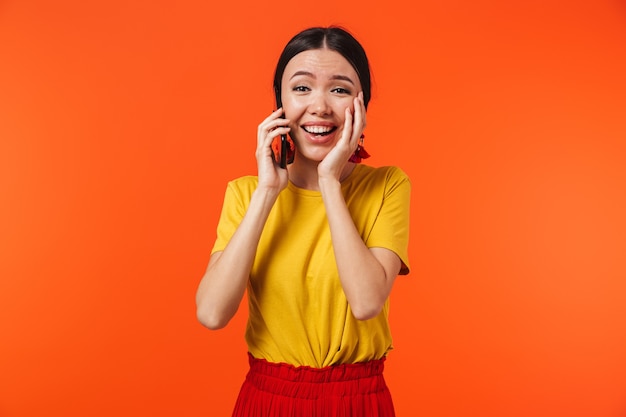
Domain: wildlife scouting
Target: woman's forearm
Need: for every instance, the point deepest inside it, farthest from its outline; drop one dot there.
(224, 282)
(365, 277)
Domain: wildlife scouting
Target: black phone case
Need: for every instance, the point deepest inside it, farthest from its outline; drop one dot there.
(284, 146)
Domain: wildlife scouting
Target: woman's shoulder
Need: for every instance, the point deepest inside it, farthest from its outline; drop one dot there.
(386, 174)
(244, 185)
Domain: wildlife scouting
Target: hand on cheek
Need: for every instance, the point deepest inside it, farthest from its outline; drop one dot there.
(337, 158)
(355, 122)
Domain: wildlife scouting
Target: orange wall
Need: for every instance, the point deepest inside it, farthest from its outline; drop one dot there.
(121, 121)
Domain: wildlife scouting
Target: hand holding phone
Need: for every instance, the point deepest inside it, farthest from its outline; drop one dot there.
(284, 150)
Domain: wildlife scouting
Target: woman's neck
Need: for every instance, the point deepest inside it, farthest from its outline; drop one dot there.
(303, 174)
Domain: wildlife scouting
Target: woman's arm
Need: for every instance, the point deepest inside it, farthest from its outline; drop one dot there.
(366, 274)
(224, 282)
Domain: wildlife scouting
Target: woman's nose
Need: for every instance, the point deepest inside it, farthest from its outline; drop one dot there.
(319, 105)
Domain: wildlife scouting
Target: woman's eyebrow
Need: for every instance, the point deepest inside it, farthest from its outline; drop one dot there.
(306, 73)
(334, 77)
(342, 77)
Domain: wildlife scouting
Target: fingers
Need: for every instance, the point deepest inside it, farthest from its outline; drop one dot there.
(355, 121)
(271, 127)
(359, 114)
(348, 125)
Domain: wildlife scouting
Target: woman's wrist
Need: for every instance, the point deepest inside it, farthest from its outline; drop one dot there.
(328, 184)
(266, 194)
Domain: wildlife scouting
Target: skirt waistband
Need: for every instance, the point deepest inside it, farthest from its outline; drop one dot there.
(307, 382)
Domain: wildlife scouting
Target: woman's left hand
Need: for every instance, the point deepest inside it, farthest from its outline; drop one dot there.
(333, 164)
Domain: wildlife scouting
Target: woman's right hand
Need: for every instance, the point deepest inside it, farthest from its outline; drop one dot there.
(271, 176)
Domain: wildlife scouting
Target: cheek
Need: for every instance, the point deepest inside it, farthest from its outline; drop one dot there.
(340, 111)
(293, 108)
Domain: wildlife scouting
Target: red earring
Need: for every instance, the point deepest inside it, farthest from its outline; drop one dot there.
(360, 153)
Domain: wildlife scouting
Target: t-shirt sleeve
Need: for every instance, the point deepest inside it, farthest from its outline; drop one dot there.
(233, 211)
(391, 229)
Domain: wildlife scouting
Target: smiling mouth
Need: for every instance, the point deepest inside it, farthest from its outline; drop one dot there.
(319, 130)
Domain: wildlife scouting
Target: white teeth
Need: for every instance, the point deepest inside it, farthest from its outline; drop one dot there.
(318, 129)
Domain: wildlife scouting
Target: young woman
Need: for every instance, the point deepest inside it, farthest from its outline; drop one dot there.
(317, 244)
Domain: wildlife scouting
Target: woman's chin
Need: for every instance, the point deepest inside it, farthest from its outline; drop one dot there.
(315, 156)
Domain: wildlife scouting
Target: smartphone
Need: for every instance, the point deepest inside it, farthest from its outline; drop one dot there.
(284, 150)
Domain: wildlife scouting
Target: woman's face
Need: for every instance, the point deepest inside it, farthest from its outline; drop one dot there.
(317, 87)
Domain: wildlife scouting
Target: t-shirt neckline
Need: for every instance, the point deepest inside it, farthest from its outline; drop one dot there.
(315, 193)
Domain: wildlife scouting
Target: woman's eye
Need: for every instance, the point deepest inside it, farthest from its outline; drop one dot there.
(300, 88)
(340, 90)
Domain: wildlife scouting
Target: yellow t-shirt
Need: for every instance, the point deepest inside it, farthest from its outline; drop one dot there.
(298, 312)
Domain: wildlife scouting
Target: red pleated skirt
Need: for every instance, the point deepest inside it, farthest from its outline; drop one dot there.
(283, 390)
